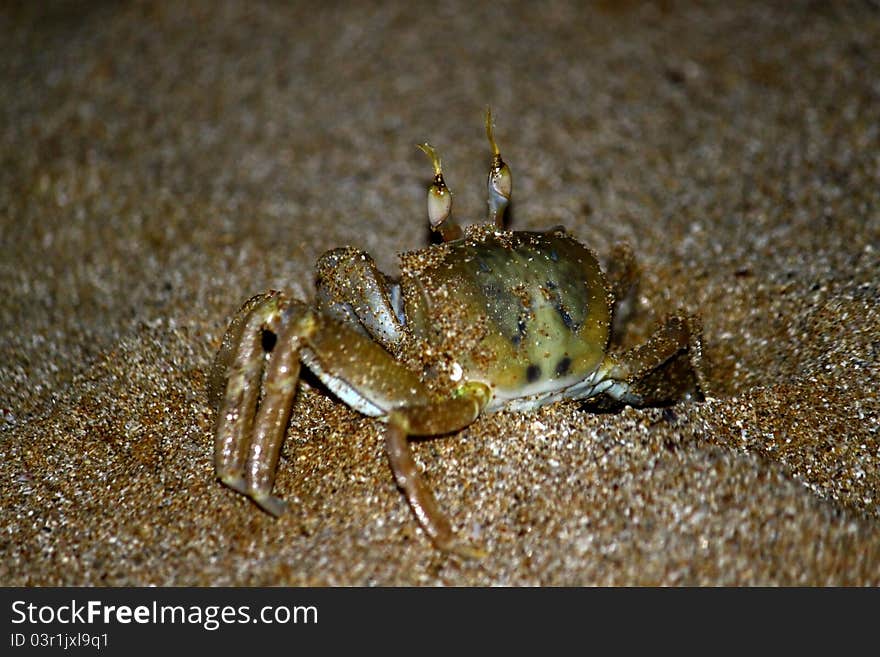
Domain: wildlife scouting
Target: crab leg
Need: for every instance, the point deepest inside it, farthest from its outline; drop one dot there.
(432, 419)
(359, 371)
(270, 426)
(622, 271)
(667, 367)
(368, 379)
(265, 306)
(238, 367)
(240, 363)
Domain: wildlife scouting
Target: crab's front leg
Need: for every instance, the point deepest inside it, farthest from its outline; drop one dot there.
(252, 420)
(429, 420)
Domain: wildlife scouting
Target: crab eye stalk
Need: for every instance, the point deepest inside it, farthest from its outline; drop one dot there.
(439, 196)
(440, 199)
(500, 182)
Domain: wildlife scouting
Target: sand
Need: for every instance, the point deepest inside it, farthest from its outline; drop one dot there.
(161, 165)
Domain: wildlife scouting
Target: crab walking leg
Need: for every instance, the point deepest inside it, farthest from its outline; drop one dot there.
(270, 425)
(369, 380)
(356, 369)
(622, 271)
(433, 419)
(231, 343)
(667, 367)
(239, 364)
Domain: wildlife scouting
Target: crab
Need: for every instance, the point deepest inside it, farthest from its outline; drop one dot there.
(483, 319)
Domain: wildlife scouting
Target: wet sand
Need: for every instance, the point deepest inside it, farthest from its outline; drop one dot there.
(161, 166)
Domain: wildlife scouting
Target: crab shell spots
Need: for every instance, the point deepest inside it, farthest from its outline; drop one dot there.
(533, 373)
(521, 311)
(563, 366)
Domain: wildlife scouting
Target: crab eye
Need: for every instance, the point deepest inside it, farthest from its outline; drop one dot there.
(439, 201)
(439, 196)
(500, 180)
(500, 184)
